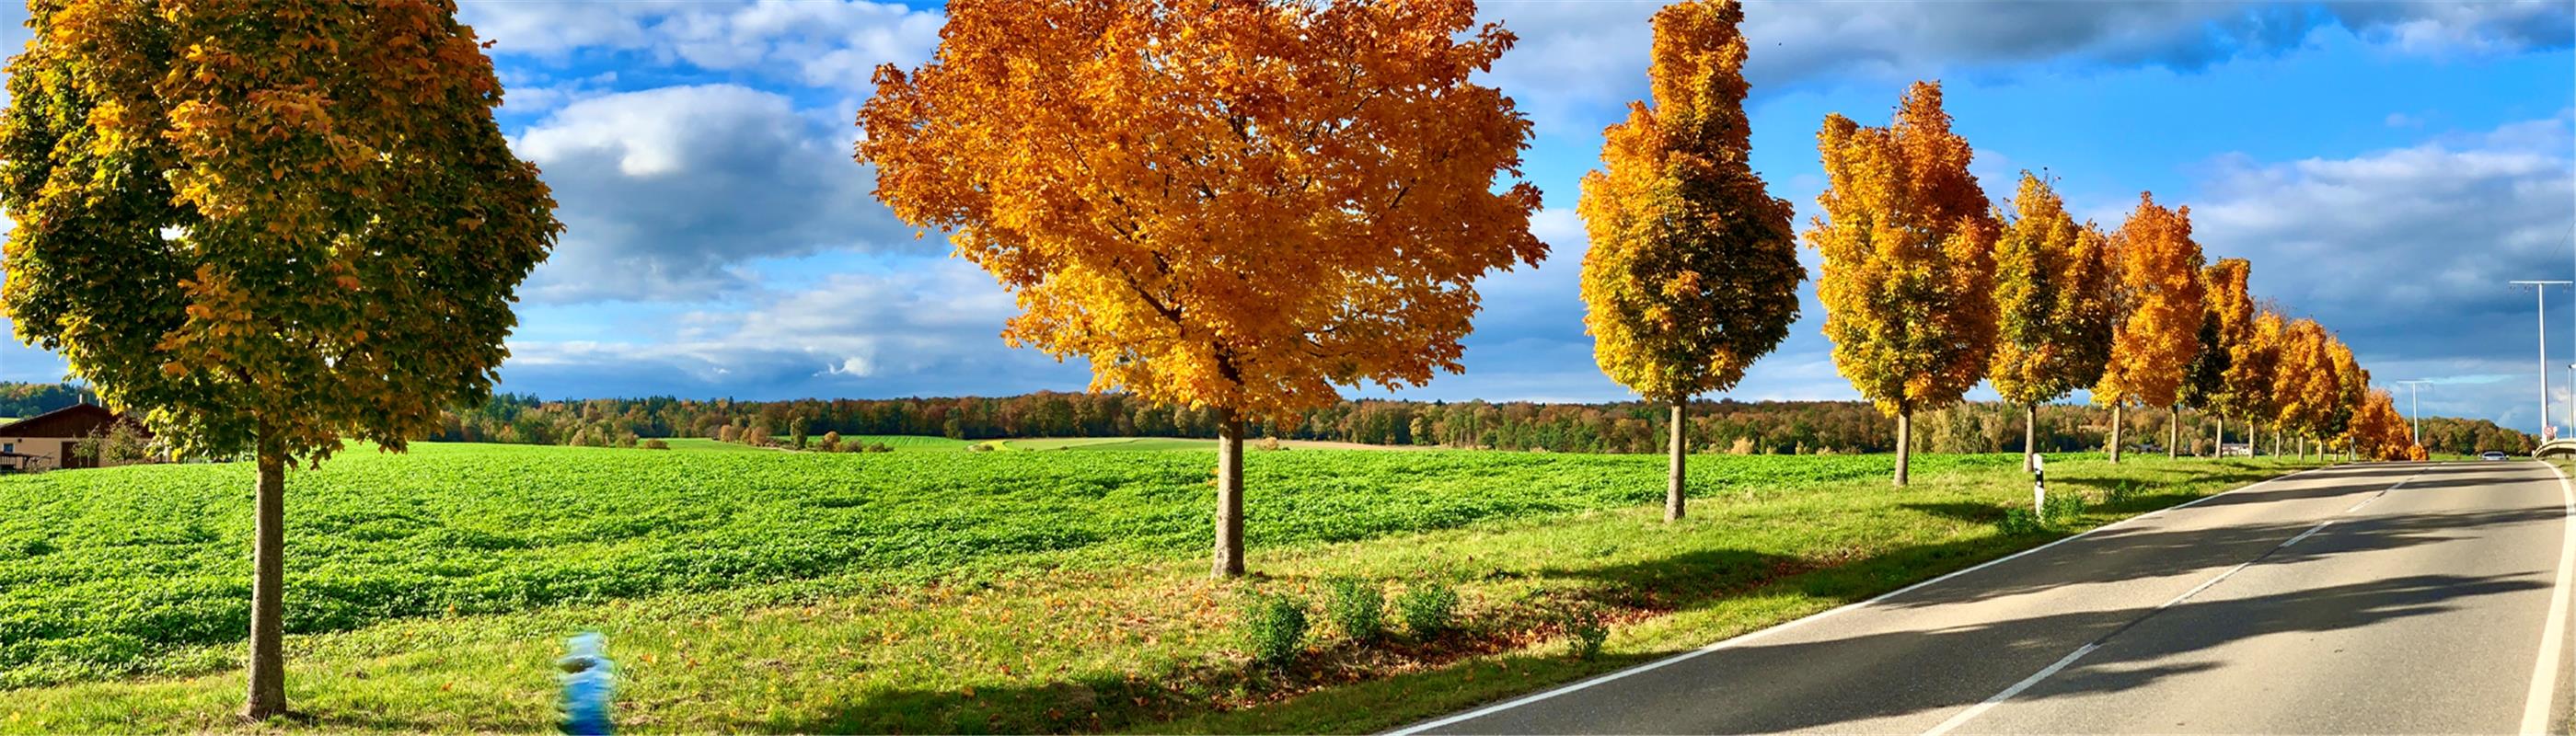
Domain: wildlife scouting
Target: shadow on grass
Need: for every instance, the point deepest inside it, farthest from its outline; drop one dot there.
(1374, 686)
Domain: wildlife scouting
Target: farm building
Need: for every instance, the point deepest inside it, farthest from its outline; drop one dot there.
(47, 441)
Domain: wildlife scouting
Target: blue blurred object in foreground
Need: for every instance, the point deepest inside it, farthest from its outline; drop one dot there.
(589, 682)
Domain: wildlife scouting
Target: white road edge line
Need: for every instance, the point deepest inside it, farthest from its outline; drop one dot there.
(1963, 717)
(1759, 633)
(2553, 636)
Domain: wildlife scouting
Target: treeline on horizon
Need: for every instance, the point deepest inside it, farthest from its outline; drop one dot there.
(1726, 425)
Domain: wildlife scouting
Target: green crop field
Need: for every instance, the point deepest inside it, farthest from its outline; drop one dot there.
(804, 591)
(1133, 444)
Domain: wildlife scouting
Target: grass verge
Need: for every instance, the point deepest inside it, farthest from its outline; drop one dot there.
(1152, 646)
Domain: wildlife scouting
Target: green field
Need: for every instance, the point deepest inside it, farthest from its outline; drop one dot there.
(1139, 444)
(1012, 591)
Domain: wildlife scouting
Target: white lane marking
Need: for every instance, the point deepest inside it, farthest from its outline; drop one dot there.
(2382, 492)
(2553, 636)
(2303, 535)
(1962, 717)
(2026, 682)
(1750, 636)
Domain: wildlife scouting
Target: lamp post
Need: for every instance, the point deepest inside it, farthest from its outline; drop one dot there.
(2412, 411)
(2541, 289)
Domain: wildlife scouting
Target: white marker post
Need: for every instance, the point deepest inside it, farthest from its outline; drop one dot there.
(2038, 485)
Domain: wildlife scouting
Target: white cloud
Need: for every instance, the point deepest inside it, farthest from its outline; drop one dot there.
(934, 327)
(834, 44)
(2405, 252)
(1577, 55)
(664, 192)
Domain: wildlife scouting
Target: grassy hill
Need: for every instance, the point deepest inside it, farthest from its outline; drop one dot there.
(1000, 591)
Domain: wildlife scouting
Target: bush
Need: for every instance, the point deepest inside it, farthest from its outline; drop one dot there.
(1358, 607)
(2120, 494)
(2018, 521)
(879, 447)
(1266, 443)
(1274, 628)
(656, 445)
(2062, 508)
(1586, 632)
(1428, 608)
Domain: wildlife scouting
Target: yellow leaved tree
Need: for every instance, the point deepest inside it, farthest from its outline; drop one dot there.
(1693, 271)
(2227, 323)
(1908, 267)
(2160, 313)
(1238, 204)
(2053, 302)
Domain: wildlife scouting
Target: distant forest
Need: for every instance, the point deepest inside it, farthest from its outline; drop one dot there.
(1725, 425)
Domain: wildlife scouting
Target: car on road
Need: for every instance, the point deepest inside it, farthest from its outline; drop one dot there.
(2491, 455)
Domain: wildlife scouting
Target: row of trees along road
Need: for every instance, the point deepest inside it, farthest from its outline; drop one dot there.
(279, 225)
(1928, 288)
(1144, 229)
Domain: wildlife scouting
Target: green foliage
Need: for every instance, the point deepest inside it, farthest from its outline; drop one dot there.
(656, 445)
(1585, 631)
(1358, 607)
(2018, 521)
(1428, 607)
(2121, 494)
(1274, 628)
(2063, 508)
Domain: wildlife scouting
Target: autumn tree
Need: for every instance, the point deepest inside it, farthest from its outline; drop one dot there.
(2303, 381)
(1693, 271)
(2251, 370)
(2160, 313)
(2227, 321)
(270, 227)
(2053, 305)
(2352, 387)
(1236, 205)
(1908, 267)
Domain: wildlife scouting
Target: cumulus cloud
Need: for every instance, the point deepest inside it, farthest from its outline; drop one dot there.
(932, 329)
(1568, 49)
(826, 43)
(664, 193)
(2406, 253)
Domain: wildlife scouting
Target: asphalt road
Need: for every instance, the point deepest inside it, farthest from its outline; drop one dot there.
(2380, 598)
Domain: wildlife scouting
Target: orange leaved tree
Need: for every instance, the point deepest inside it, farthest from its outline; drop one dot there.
(2160, 314)
(2227, 322)
(2053, 305)
(1237, 204)
(2352, 387)
(2303, 383)
(2252, 366)
(1909, 272)
(1693, 271)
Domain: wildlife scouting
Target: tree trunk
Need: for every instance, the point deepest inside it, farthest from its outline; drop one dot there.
(1673, 486)
(2115, 431)
(2029, 436)
(267, 694)
(1904, 443)
(2173, 431)
(2218, 449)
(1229, 495)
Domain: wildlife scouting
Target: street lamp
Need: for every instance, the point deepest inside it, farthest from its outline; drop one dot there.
(2541, 288)
(2411, 409)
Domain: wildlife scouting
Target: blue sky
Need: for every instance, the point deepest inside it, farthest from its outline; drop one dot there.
(2387, 166)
